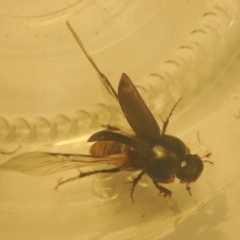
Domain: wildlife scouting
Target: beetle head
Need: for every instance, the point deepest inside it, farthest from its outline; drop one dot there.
(191, 168)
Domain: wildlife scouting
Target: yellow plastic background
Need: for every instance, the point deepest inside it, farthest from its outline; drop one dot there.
(50, 93)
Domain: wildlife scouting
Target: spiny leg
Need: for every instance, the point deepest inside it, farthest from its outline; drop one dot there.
(163, 190)
(85, 174)
(166, 122)
(135, 182)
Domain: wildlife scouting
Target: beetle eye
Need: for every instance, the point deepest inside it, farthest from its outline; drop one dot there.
(191, 169)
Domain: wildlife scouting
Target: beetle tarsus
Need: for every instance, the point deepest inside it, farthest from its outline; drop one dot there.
(162, 189)
(66, 181)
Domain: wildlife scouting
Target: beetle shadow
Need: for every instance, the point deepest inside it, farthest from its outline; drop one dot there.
(202, 224)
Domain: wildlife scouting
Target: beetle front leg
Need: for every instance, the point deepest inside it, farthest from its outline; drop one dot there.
(163, 190)
(188, 188)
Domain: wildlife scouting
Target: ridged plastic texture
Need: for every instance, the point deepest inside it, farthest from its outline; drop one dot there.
(191, 66)
(170, 49)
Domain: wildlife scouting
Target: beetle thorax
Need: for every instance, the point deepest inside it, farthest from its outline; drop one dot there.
(164, 158)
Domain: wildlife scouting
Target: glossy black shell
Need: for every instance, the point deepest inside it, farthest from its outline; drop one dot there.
(164, 158)
(191, 169)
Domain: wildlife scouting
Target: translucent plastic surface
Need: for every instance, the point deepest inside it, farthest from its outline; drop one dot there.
(51, 100)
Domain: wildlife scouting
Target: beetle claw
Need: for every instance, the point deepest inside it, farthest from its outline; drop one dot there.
(166, 193)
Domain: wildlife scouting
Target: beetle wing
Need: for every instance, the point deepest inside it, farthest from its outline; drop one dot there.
(46, 163)
(113, 105)
(109, 93)
(136, 111)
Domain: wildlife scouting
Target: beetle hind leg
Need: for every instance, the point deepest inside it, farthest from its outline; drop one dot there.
(85, 174)
(162, 189)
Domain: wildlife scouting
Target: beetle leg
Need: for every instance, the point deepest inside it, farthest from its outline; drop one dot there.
(85, 174)
(166, 122)
(135, 182)
(188, 188)
(163, 190)
(110, 127)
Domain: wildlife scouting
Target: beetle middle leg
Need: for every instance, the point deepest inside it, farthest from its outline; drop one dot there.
(135, 182)
(85, 174)
(162, 189)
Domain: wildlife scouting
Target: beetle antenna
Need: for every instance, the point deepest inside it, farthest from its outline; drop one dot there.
(206, 161)
(207, 155)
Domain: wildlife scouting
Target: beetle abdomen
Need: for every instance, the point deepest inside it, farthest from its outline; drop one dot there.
(106, 148)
